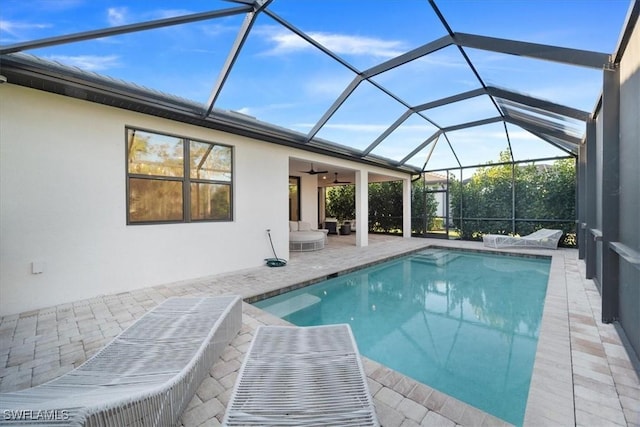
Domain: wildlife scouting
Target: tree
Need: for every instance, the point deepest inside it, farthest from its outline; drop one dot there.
(423, 208)
(486, 195)
(385, 206)
(341, 202)
(485, 203)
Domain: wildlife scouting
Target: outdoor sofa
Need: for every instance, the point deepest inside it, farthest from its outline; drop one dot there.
(303, 238)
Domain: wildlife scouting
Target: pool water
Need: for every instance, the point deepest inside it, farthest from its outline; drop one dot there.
(464, 323)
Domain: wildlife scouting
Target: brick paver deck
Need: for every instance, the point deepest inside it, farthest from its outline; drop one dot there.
(583, 374)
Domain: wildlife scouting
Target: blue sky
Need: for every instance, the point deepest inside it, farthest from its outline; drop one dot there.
(281, 79)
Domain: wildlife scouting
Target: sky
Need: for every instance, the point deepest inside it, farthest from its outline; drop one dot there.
(281, 79)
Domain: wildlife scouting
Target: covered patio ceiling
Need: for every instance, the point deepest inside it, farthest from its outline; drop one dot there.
(329, 174)
(417, 85)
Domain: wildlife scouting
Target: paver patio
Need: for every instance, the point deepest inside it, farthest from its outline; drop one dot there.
(583, 374)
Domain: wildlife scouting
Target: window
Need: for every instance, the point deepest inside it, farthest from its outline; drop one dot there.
(294, 198)
(163, 187)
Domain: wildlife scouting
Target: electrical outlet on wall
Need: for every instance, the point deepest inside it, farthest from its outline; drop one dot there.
(37, 267)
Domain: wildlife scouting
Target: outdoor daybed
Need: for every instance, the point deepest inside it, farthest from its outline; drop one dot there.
(303, 238)
(541, 239)
(299, 376)
(146, 376)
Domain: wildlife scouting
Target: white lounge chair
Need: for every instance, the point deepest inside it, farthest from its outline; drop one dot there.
(146, 376)
(541, 239)
(300, 376)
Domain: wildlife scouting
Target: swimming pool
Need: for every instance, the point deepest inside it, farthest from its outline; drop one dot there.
(464, 323)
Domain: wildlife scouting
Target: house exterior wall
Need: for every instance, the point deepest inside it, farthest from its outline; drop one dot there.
(629, 288)
(63, 190)
(309, 198)
(63, 204)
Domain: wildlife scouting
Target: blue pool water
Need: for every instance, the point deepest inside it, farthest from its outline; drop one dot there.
(463, 323)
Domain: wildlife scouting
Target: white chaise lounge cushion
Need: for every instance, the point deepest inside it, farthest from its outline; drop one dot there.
(146, 376)
(542, 239)
(301, 376)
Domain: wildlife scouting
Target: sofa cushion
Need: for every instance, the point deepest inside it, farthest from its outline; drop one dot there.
(304, 226)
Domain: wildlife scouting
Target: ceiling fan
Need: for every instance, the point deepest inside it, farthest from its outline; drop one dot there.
(313, 172)
(335, 181)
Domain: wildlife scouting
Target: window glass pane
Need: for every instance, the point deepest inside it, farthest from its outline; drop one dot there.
(154, 154)
(210, 201)
(294, 198)
(209, 161)
(154, 200)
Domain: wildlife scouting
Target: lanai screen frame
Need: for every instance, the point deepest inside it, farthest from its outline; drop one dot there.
(513, 219)
(53, 78)
(545, 130)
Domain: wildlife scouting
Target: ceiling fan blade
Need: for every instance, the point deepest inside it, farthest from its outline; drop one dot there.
(313, 172)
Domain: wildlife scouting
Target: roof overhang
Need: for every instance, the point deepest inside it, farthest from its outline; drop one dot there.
(29, 71)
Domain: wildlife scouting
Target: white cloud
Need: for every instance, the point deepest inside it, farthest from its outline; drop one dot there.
(169, 13)
(88, 62)
(439, 60)
(17, 30)
(348, 127)
(522, 135)
(268, 112)
(245, 110)
(326, 86)
(214, 30)
(122, 15)
(117, 16)
(342, 44)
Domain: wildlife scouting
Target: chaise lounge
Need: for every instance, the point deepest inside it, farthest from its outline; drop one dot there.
(301, 376)
(146, 376)
(541, 239)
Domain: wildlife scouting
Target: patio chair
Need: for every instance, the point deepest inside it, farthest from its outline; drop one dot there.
(541, 239)
(146, 376)
(301, 376)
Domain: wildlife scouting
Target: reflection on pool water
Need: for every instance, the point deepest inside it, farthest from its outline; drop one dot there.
(464, 323)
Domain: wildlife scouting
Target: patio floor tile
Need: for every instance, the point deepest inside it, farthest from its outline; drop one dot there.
(576, 353)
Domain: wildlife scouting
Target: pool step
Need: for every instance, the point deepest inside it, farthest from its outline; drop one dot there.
(292, 305)
(436, 257)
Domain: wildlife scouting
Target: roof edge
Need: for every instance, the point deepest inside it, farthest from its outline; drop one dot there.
(49, 76)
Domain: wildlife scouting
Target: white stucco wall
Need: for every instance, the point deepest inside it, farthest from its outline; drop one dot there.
(63, 204)
(309, 199)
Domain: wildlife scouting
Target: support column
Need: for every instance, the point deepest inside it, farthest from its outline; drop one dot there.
(362, 208)
(581, 165)
(406, 208)
(590, 200)
(610, 192)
